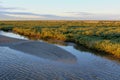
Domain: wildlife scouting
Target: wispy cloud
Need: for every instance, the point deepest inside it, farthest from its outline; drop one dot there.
(5, 13)
(13, 13)
(80, 13)
(2, 8)
(94, 16)
(5, 8)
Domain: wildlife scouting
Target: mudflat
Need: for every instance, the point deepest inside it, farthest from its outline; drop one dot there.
(34, 60)
(37, 48)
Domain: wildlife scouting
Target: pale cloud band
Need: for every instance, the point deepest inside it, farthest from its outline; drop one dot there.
(7, 14)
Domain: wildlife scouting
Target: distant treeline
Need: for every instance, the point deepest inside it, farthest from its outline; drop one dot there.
(102, 36)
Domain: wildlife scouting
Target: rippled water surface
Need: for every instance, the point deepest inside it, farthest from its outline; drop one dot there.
(16, 65)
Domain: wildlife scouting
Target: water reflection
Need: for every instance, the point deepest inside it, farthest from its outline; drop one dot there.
(21, 66)
(67, 44)
(97, 53)
(12, 35)
(71, 47)
(89, 66)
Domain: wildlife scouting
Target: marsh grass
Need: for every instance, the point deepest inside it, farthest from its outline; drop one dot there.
(98, 35)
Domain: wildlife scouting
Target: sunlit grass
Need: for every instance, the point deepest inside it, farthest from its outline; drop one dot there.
(99, 35)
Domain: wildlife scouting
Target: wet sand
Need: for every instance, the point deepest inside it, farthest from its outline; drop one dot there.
(37, 48)
(23, 60)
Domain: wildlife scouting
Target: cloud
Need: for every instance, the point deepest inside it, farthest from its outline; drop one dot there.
(5, 8)
(80, 13)
(5, 13)
(10, 13)
(29, 15)
(9, 8)
(94, 16)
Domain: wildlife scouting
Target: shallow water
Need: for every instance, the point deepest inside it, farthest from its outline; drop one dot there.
(16, 65)
(12, 35)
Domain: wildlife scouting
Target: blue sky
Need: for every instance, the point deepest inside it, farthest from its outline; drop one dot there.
(60, 9)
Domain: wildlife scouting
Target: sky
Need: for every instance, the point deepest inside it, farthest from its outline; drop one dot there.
(59, 9)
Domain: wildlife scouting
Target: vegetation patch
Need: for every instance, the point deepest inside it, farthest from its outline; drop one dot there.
(98, 35)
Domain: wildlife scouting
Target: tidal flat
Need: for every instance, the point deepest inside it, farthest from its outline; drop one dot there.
(22, 59)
